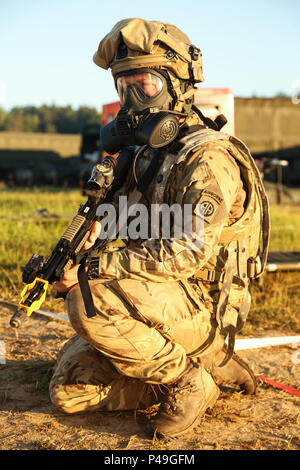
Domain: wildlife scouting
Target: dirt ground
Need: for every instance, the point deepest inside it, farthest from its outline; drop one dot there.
(28, 421)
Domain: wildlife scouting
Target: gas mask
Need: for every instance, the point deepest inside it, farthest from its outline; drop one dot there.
(145, 117)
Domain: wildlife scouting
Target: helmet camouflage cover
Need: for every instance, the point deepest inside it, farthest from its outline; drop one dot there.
(136, 43)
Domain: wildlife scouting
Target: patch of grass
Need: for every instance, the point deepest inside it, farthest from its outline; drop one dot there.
(35, 373)
(25, 201)
(275, 304)
(275, 299)
(29, 234)
(38, 374)
(285, 228)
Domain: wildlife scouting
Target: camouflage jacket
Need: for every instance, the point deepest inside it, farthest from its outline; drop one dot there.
(210, 171)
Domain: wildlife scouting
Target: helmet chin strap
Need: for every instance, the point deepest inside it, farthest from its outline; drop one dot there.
(180, 105)
(181, 97)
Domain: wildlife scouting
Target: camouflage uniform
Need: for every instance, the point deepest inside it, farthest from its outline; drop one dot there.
(160, 301)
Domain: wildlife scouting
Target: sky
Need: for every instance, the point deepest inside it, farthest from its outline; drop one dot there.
(46, 46)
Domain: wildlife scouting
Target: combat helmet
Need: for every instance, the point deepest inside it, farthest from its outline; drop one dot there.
(136, 43)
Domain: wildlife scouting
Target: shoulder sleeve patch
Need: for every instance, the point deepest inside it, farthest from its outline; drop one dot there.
(210, 206)
(210, 209)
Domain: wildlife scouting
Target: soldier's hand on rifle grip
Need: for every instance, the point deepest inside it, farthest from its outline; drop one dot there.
(68, 280)
(95, 231)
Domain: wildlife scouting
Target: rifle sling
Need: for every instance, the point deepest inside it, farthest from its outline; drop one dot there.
(85, 290)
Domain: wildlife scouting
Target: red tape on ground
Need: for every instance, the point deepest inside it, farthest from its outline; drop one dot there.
(286, 388)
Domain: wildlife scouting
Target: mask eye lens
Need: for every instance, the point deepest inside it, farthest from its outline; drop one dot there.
(149, 83)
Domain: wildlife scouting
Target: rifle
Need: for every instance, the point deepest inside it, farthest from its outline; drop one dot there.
(39, 273)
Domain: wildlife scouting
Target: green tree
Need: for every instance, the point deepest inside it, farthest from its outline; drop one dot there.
(45, 118)
(3, 116)
(86, 117)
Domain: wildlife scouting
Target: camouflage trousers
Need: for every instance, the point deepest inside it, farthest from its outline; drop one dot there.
(142, 335)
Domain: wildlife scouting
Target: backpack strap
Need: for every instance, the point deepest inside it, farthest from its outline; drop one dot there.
(263, 201)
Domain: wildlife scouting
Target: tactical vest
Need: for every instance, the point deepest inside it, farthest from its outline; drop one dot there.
(245, 242)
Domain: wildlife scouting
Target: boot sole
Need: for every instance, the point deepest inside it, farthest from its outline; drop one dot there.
(243, 364)
(212, 400)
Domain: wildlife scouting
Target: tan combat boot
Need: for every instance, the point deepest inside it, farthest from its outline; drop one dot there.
(185, 402)
(236, 371)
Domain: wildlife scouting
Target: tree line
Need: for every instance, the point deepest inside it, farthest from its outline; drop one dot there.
(55, 119)
(45, 118)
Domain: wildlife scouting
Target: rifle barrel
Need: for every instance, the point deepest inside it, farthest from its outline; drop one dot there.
(15, 320)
